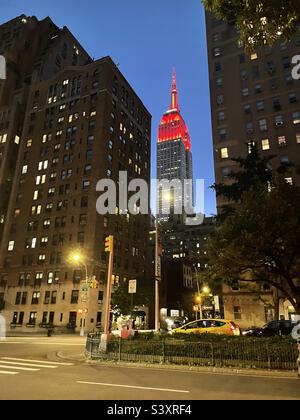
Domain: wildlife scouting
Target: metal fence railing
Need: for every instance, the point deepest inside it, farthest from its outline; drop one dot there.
(239, 354)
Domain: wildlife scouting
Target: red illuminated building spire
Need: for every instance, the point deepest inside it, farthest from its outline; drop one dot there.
(172, 126)
(174, 97)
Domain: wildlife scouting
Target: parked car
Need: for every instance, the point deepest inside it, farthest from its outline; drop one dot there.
(209, 326)
(271, 329)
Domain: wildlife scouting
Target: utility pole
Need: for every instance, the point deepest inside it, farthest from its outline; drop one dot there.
(109, 247)
(158, 254)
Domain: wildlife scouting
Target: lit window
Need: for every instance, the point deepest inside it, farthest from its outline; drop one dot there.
(289, 180)
(296, 118)
(42, 257)
(33, 243)
(17, 139)
(36, 195)
(282, 141)
(279, 121)
(254, 56)
(298, 138)
(66, 82)
(11, 245)
(265, 144)
(93, 114)
(217, 52)
(29, 143)
(24, 169)
(3, 138)
(224, 153)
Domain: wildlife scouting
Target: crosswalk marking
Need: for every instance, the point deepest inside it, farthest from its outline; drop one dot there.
(29, 364)
(8, 373)
(37, 361)
(19, 368)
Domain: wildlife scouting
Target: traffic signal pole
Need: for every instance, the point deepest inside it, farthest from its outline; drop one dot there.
(109, 247)
(108, 292)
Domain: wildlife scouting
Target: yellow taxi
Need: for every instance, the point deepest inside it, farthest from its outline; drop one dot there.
(209, 326)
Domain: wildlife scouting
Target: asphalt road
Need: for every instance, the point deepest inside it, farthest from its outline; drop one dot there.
(30, 370)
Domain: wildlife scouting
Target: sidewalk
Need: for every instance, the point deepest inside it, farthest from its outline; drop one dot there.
(80, 357)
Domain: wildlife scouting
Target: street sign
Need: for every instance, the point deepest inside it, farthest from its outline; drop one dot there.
(217, 303)
(132, 285)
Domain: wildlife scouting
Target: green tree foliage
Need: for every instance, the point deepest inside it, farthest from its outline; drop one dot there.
(259, 243)
(253, 170)
(261, 22)
(123, 301)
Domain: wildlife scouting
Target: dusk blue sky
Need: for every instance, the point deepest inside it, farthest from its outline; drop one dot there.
(146, 39)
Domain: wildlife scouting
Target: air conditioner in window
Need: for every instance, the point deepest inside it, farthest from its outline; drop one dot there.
(279, 123)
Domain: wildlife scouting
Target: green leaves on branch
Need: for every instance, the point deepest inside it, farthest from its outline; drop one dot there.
(260, 22)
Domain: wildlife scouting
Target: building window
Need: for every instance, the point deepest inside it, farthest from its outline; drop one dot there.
(218, 67)
(260, 106)
(263, 126)
(285, 160)
(258, 89)
(24, 169)
(296, 118)
(224, 153)
(247, 109)
(74, 297)
(282, 141)
(219, 81)
(11, 246)
(53, 298)
(276, 104)
(254, 56)
(35, 298)
(245, 92)
(220, 99)
(279, 121)
(265, 144)
(292, 98)
(217, 52)
(289, 180)
(237, 313)
(32, 318)
(298, 138)
(221, 116)
(249, 128)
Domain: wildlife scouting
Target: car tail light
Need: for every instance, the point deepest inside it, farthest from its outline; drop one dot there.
(233, 327)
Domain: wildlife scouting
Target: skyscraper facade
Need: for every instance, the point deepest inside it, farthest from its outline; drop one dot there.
(174, 159)
(254, 99)
(81, 122)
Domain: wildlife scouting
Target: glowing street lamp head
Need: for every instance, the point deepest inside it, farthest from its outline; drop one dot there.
(206, 290)
(76, 257)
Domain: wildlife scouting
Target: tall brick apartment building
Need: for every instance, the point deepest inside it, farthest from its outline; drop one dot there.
(253, 99)
(68, 121)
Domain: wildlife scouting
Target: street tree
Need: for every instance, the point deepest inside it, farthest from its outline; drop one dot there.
(260, 22)
(259, 243)
(125, 302)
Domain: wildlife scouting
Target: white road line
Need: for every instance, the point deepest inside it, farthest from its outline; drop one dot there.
(50, 343)
(28, 364)
(134, 387)
(18, 368)
(8, 373)
(37, 361)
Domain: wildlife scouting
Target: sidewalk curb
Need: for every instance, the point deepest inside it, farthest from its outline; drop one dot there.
(197, 369)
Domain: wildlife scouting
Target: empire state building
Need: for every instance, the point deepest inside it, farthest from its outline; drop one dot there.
(174, 160)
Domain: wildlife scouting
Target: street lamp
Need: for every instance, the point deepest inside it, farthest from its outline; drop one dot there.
(78, 258)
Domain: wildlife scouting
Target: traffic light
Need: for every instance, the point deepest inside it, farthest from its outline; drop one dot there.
(94, 283)
(109, 243)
